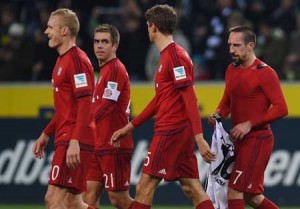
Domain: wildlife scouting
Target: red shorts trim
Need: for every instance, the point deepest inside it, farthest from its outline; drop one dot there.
(172, 156)
(112, 170)
(252, 155)
(61, 175)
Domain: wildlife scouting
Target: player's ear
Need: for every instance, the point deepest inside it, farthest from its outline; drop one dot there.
(251, 45)
(65, 30)
(115, 46)
(155, 29)
(152, 26)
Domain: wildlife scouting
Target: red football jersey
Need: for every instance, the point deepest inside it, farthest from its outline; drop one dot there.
(249, 94)
(111, 106)
(72, 79)
(175, 71)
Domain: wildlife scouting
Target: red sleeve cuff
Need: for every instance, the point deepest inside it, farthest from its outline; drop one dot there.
(50, 128)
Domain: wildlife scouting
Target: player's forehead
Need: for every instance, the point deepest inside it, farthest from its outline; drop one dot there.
(102, 36)
(54, 20)
(235, 38)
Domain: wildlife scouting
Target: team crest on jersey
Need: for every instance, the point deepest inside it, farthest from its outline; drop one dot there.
(112, 85)
(80, 80)
(179, 73)
(59, 71)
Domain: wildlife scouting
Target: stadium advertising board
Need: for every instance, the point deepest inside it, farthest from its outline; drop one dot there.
(34, 101)
(23, 179)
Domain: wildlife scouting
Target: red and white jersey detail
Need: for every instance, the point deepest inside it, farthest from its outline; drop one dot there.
(175, 71)
(72, 79)
(111, 106)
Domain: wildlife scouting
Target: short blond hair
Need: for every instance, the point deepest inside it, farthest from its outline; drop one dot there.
(69, 19)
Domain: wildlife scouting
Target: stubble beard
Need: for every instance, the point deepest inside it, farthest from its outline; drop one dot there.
(238, 61)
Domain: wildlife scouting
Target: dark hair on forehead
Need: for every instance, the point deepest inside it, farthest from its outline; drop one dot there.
(112, 30)
(163, 16)
(248, 33)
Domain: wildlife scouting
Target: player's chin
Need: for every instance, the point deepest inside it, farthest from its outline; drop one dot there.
(235, 58)
(51, 44)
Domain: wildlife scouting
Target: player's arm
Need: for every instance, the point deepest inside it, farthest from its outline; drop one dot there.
(271, 87)
(223, 109)
(189, 97)
(81, 77)
(145, 115)
(50, 128)
(40, 144)
(84, 109)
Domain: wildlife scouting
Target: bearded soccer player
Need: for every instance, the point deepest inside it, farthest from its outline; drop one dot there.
(178, 123)
(110, 167)
(72, 123)
(254, 98)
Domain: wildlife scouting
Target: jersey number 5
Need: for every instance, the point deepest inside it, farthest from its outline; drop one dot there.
(147, 159)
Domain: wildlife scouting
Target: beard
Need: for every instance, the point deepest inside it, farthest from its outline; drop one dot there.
(237, 60)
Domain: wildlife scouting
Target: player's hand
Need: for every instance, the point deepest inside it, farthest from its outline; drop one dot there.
(205, 151)
(211, 119)
(240, 130)
(39, 146)
(73, 154)
(119, 134)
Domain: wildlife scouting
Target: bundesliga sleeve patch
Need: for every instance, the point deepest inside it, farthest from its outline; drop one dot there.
(111, 92)
(80, 80)
(179, 73)
(112, 85)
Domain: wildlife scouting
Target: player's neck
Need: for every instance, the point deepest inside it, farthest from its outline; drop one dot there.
(249, 61)
(162, 41)
(103, 62)
(66, 45)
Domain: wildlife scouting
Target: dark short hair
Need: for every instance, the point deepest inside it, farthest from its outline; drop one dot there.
(164, 17)
(112, 30)
(248, 33)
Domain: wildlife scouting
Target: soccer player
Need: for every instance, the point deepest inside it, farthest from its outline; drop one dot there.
(178, 123)
(73, 85)
(110, 167)
(254, 99)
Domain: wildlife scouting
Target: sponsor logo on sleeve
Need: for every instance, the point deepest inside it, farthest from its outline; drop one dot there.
(179, 73)
(80, 80)
(112, 85)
